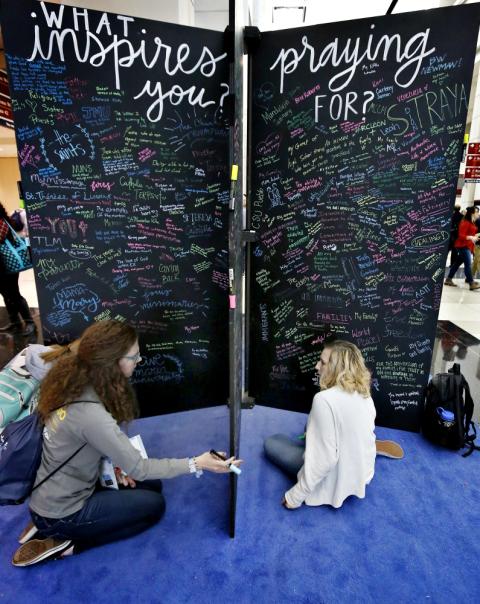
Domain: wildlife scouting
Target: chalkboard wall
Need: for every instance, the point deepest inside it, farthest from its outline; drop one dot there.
(357, 139)
(123, 152)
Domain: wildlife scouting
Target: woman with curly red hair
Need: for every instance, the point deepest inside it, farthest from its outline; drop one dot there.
(82, 399)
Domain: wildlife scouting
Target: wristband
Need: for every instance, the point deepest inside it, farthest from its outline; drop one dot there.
(192, 466)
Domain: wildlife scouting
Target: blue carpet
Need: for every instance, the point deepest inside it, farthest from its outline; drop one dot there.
(413, 539)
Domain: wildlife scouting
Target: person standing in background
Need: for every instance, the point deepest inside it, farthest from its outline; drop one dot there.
(15, 303)
(454, 224)
(476, 253)
(465, 245)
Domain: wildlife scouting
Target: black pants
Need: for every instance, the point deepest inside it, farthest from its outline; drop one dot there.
(15, 303)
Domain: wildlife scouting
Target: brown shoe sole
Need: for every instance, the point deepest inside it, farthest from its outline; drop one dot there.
(37, 550)
(389, 448)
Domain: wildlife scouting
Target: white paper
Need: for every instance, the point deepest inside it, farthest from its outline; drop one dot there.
(108, 479)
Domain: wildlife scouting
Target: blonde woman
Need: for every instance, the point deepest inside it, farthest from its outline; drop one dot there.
(338, 457)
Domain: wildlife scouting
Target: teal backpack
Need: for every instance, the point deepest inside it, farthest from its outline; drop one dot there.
(18, 390)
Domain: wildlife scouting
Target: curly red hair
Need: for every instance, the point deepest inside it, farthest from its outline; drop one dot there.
(94, 364)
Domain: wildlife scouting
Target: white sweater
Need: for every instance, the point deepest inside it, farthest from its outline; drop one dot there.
(339, 451)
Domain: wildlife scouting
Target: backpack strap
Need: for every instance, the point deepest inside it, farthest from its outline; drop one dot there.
(458, 382)
(71, 456)
(59, 467)
(471, 449)
(468, 406)
(470, 441)
(469, 438)
(71, 403)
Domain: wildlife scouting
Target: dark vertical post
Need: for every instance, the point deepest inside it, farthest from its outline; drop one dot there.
(235, 245)
(251, 37)
(392, 6)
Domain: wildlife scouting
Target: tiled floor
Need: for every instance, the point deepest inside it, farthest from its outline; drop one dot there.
(457, 339)
(10, 344)
(462, 307)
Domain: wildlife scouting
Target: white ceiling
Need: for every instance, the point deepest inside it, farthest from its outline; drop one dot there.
(267, 14)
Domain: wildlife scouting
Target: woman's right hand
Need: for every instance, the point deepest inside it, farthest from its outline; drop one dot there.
(206, 461)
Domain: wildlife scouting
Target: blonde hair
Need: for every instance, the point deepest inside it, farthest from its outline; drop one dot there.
(346, 369)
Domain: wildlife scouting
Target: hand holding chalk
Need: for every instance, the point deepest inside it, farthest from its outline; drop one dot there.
(231, 462)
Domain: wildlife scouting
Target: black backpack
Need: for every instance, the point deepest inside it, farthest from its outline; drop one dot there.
(448, 411)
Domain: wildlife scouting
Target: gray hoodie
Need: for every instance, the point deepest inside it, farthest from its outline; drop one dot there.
(65, 431)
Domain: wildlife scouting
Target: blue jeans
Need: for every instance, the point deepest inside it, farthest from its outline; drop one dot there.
(464, 256)
(108, 515)
(285, 452)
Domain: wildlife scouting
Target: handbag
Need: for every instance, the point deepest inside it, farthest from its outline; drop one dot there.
(16, 389)
(3, 230)
(15, 256)
(21, 445)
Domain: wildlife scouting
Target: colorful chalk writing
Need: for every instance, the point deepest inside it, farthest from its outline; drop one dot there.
(123, 149)
(357, 137)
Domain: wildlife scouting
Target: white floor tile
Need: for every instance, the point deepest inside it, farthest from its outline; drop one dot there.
(471, 327)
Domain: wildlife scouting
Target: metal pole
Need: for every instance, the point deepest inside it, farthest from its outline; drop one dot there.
(392, 6)
(237, 18)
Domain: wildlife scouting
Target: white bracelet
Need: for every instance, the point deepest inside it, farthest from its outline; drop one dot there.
(192, 466)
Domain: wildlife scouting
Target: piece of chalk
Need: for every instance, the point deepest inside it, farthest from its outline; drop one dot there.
(232, 301)
(235, 469)
(234, 173)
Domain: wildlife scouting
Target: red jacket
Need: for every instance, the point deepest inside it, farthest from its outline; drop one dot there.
(465, 229)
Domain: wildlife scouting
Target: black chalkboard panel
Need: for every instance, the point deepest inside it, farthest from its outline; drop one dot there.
(357, 139)
(124, 160)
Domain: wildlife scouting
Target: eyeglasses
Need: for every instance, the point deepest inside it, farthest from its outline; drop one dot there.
(133, 357)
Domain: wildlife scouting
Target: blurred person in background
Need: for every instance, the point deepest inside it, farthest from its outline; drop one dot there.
(465, 245)
(15, 303)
